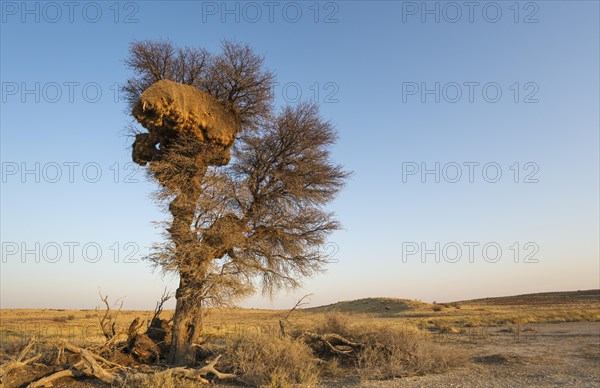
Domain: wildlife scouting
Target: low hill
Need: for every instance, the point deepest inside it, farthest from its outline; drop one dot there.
(372, 306)
(397, 306)
(542, 298)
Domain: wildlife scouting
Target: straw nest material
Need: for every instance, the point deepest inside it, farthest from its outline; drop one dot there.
(168, 109)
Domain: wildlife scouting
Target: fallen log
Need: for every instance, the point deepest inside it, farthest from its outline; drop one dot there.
(92, 368)
(189, 373)
(14, 365)
(87, 366)
(48, 381)
(75, 349)
(335, 343)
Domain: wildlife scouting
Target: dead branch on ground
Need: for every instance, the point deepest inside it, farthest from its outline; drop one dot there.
(89, 366)
(335, 343)
(20, 361)
(189, 373)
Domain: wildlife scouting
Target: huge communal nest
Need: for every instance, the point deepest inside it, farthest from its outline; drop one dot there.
(169, 110)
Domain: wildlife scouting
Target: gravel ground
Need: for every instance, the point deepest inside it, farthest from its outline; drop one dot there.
(552, 355)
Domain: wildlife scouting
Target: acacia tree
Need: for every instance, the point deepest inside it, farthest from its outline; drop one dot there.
(247, 215)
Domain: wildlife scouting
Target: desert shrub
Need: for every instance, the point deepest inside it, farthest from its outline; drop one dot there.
(388, 352)
(160, 381)
(330, 368)
(269, 360)
(437, 307)
(60, 319)
(12, 342)
(70, 317)
(396, 353)
(475, 322)
(334, 322)
(446, 328)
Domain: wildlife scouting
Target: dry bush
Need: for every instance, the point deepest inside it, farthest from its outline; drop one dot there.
(388, 352)
(446, 328)
(268, 360)
(397, 353)
(159, 380)
(437, 307)
(10, 343)
(334, 322)
(331, 368)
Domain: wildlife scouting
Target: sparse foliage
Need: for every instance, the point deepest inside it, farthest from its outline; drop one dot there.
(236, 77)
(153, 61)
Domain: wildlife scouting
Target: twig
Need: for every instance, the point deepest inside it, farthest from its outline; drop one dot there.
(300, 303)
(108, 322)
(159, 305)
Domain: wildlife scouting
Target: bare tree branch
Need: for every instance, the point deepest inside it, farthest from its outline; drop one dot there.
(166, 295)
(108, 322)
(300, 303)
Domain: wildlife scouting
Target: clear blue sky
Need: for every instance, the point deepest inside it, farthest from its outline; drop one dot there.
(378, 68)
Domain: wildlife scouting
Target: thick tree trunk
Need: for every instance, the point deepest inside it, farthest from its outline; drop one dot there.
(187, 326)
(187, 321)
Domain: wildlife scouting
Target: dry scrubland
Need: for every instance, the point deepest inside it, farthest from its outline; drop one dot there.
(537, 339)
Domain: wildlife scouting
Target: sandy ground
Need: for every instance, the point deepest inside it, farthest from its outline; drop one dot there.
(553, 355)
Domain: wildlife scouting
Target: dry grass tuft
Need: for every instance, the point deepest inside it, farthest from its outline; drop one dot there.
(395, 353)
(160, 380)
(335, 322)
(268, 360)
